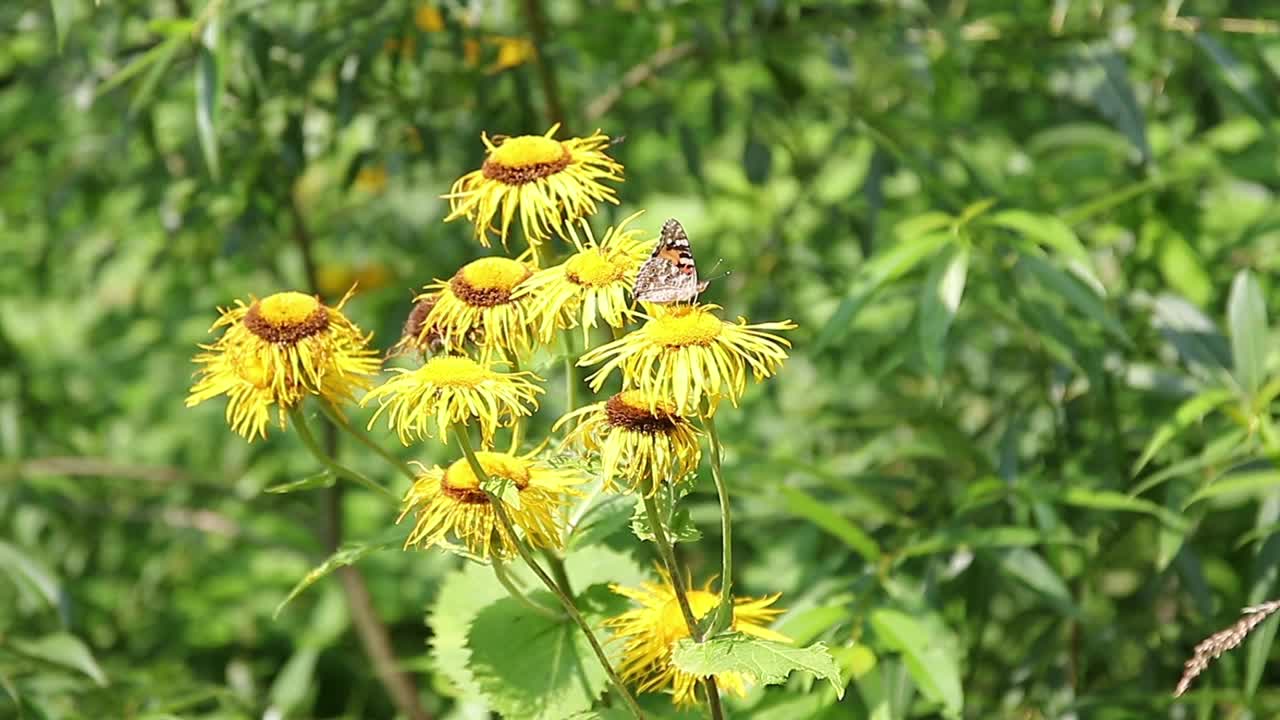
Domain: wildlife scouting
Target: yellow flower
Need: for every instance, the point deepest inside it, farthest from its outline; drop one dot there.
(450, 502)
(644, 446)
(688, 354)
(417, 335)
(592, 284)
(548, 182)
(512, 52)
(428, 19)
(479, 304)
(650, 632)
(278, 350)
(371, 179)
(453, 389)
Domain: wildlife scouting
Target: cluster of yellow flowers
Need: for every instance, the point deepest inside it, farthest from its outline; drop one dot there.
(470, 333)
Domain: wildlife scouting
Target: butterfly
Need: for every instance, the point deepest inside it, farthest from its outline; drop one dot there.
(670, 274)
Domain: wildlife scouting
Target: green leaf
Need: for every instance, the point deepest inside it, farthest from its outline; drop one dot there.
(757, 160)
(1258, 482)
(1076, 293)
(1112, 500)
(1266, 567)
(608, 514)
(462, 596)
(293, 683)
(63, 11)
(677, 520)
(504, 489)
(322, 479)
(765, 661)
(928, 648)
(208, 78)
(798, 503)
(1046, 230)
(1031, 568)
(1187, 413)
(531, 666)
(1247, 321)
(884, 267)
(62, 649)
(348, 554)
(974, 538)
(939, 301)
(28, 573)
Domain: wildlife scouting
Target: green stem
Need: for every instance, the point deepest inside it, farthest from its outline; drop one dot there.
(570, 373)
(517, 427)
(668, 555)
(725, 611)
(332, 413)
(557, 570)
(500, 513)
(500, 572)
(309, 439)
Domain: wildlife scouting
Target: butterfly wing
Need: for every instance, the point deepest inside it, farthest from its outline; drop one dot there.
(670, 274)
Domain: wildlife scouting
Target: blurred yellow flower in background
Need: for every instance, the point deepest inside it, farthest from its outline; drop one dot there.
(547, 182)
(643, 447)
(592, 284)
(512, 52)
(688, 354)
(480, 305)
(371, 179)
(453, 389)
(650, 632)
(428, 19)
(277, 351)
(449, 501)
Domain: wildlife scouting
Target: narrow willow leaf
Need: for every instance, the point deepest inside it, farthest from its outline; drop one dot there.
(929, 654)
(1075, 292)
(1031, 568)
(1237, 76)
(62, 649)
(888, 265)
(757, 160)
(1266, 568)
(1259, 482)
(348, 554)
(824, 517)
(27, 572)
(532, 666)
(322, 479)
(1046, 230)
(293, 683)
(766, 661)
(1188, 413)
(1112, 500)
(975, 538)
(208, 79)
(160, 54)
(63, 12)
(939, 302)
(1247, 322)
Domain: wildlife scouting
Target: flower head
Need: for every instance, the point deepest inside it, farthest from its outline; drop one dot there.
(688, 354)
(592, 284)
(278, 350)
(640, 439)
(650, 632)
(450, 501)
(548, 182)
(453, 389)
(480, 304)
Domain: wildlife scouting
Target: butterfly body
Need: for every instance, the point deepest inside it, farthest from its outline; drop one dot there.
(670, 275)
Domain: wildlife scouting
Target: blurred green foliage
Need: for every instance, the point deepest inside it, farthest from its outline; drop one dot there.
(1021, 460)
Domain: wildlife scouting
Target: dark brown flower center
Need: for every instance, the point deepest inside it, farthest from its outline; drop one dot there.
(521, 174)
(468, 493)
(620, 413)
(286, 332)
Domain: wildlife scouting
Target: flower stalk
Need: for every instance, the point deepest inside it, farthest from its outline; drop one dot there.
(341, 422)
(309, 439)
(504, 579)
(724, 613)
(500, 512)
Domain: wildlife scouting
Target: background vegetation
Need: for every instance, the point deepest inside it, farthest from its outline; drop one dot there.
(1021, 459)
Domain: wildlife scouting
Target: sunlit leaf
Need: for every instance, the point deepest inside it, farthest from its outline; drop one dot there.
(765, 661)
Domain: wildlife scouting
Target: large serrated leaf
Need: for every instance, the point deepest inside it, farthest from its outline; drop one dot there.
(766, 661)
(1247, 322)
(533, 666)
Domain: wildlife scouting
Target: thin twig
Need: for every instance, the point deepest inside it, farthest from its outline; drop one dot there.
(637, 75)
(546, 70)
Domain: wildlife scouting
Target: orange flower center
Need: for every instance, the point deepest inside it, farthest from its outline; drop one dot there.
(631, 410)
